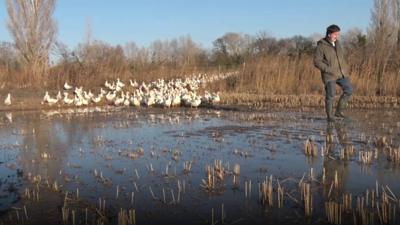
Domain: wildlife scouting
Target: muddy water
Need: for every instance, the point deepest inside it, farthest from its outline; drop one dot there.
(130, 158)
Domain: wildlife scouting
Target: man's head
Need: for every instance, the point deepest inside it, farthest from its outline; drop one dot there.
(332, 32)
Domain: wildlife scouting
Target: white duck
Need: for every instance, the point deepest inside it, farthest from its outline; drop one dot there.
(149, 100)
(215, 98)
(45, 97)
(78, 91)
(134, 83)
(59, 96)
(98, 98)
(135, 101)
(120, 84)
(119, 100)
(51, 101)
(110, 96)
(167, 101)
(126, 101)
(67, 86)
(176, 100)
(9, 117)
(67, 100)
(77, 101)
(7, 101)
(195, 101)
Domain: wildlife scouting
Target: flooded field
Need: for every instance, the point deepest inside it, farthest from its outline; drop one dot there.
(199, 166)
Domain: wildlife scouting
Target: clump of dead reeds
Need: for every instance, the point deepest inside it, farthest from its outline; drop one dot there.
(310, 148)
(187, 167)
(366, 157)
(381, 141)
(266, 192)
(281, 192)
(347, 202)
(393, 155)
(127, 217)
(347, 152)
(333, 211)
(306, 196)
(214, 176)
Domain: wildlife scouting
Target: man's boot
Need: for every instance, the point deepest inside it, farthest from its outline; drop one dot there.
(342, 104)
(329, 112)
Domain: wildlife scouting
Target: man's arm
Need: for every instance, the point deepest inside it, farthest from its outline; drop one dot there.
(319, 61)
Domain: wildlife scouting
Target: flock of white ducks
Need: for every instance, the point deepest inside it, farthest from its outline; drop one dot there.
(176, 92)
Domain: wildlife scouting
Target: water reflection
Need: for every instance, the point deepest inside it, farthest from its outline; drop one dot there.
(335, 165)
(99, 152)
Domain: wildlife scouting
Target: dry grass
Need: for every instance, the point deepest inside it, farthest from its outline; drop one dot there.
(280, 80)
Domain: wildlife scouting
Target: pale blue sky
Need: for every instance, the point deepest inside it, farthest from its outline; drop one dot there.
(120, 21)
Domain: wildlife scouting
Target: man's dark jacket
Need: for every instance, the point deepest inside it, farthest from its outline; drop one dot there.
(330, 60)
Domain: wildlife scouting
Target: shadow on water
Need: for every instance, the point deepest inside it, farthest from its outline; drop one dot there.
(155, 161)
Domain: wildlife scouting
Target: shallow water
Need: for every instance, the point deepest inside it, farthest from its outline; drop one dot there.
(99, 150)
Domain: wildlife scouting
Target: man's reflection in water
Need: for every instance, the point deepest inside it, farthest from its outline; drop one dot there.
(335, 166)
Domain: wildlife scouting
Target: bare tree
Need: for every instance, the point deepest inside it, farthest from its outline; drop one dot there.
(398, 23)
(383, 33)
(232, 47)
(8, 58)
(34, 31)
(264, 43)
(188, 51)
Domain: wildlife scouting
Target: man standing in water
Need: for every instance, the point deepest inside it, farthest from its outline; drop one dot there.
(329, 59)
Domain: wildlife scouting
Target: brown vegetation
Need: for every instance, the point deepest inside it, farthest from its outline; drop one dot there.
(266, 65)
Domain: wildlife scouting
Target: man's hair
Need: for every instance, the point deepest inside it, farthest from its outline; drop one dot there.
(331, 29)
